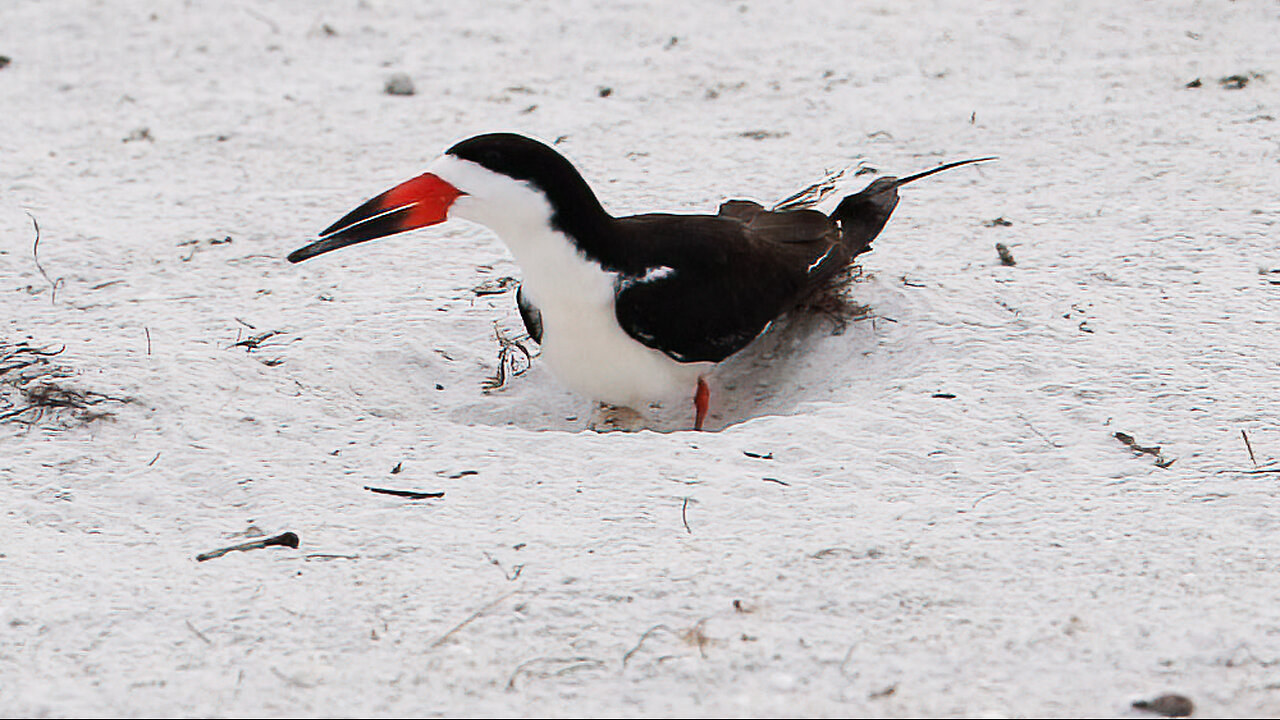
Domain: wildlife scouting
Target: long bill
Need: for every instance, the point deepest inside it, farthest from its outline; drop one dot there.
(422, 201)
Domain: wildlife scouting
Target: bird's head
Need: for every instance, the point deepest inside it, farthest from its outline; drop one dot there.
(501, 180)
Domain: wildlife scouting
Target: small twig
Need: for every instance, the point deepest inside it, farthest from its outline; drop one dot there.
(411, 494)
(573, 664)
(284, 539)
(275, 27)
(640, 643)
(330, 556)
(984, 497)
(154, 459)
(35, 255)
(470, 618)
(147, 330)
(1248, 447)
(776, 480)
(199, 634)
(684, 515)
(1037, 432)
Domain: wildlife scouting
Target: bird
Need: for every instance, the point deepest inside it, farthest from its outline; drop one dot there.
(628, 310)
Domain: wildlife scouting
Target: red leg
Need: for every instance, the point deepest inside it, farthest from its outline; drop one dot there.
(701, 401)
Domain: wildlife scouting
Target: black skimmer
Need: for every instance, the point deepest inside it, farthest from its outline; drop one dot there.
(627, 310)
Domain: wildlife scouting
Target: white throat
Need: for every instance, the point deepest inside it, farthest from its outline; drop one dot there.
(582, 341)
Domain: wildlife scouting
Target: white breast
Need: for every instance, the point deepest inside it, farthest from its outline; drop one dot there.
(582, 342)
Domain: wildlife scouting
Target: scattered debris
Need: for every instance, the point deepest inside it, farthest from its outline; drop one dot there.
(1249, 447)
(697, 636)
(142, 134)
(741, 607)
(398, 84)
(1234, 82)
(834, 301)
(872, 553)
(514, 360)
(605, 92)
(461, 474)
(288, 539)
(757, 456)
(1194, 83)
(783, 483)
(496, 286)
(32, 386)
(257, 342)
(1168, 705)
(470, 619)
(35, 255)
(4, 61)
(763, 134)
(883, 693)
(253, 342)
(571, 664)
(411, 494)
(945, 396)
(684, 515)
(1153, 450)
(396, 470)
(1006, 257)
(196, 245)
(998, 222)
(647, 634)
(510, 576)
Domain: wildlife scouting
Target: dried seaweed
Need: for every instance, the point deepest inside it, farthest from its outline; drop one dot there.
(35, 388)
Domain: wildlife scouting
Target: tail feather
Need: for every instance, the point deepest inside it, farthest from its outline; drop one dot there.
(864, 214)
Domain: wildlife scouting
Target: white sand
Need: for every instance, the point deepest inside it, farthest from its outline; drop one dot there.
(999, 553)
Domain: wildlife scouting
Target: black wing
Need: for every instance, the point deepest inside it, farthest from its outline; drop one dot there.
(699, 288)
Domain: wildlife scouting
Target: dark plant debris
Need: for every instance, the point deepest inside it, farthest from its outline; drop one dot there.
(1153, 450)
(1195, 83)
(758, 456)
(289, 540)
(411, 494)
(4, 61)
(1234, 82)
(763, 134)
(142, 134)
(1249, 446)
(998, 222)
(496, 286)
(1168, 705)
(514, 360)
(1006, 257)
(33, 388)
(35, 256)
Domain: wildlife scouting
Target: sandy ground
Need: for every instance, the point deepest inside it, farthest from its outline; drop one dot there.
(891, 552)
